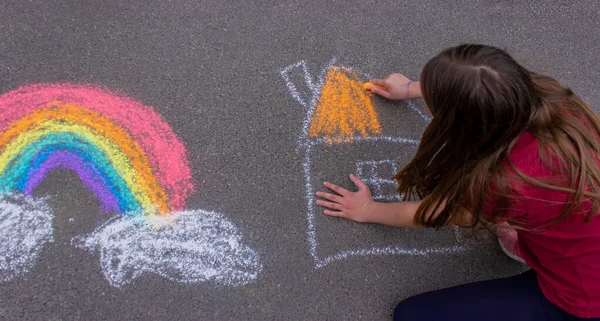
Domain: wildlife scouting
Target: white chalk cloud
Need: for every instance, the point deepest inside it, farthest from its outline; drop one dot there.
(25, 226)
(187, 247)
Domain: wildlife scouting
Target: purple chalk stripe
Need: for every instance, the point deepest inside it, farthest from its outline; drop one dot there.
(64, 159)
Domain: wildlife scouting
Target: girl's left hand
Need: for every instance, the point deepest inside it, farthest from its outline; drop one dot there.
(349, 205)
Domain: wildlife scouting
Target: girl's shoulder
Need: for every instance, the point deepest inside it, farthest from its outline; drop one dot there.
(525, 154)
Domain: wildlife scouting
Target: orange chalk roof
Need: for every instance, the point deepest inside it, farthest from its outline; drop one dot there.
(344, 109)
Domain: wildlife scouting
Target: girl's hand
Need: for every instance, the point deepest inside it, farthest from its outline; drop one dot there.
(349, 205)
(396, 87)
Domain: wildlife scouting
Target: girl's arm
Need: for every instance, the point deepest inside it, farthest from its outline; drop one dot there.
(397, 87)
(360, 207)
(397, 214)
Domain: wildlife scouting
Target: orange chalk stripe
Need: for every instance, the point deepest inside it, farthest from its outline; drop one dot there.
(344, 110)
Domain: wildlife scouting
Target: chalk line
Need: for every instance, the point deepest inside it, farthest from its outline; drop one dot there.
(310, 199)
(290, 84)
(186, 247)
(389, 250)
(457, 235)
(25, 226)
(412, 106)
(389, 139)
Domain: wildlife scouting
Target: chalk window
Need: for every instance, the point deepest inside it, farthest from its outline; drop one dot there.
(378, 176)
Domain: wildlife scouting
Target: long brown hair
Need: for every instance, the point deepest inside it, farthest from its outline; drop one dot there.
(482, 101)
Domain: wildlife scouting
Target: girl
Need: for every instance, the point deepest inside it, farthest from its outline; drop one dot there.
(505, 146)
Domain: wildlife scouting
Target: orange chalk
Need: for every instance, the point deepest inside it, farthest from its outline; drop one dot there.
(344, 110)
(369, 86)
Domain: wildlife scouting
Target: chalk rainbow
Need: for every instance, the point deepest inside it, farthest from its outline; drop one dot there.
(123, 151)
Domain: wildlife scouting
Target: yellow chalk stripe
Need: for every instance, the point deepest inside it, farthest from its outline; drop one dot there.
(344, 109)
(115, 155)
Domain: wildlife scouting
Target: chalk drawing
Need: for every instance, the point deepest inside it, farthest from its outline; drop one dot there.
(377, 175)
(187, 247)
(25, 226)
(123, 152)
(130, 149)
(340, 111)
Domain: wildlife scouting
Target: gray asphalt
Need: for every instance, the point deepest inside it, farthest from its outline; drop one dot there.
(212, 70)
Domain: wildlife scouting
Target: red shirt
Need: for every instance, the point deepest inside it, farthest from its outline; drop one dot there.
(566, 255)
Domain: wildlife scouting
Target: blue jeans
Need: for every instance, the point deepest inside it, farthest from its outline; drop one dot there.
(516, 298)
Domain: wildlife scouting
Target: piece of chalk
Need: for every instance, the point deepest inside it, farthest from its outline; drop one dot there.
(369, 86)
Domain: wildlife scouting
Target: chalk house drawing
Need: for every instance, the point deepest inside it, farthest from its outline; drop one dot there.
(339, 112)
(130, 158)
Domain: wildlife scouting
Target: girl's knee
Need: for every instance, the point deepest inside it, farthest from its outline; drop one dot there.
(407, 310)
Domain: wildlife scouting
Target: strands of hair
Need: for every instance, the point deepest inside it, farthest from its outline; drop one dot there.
(483, 101)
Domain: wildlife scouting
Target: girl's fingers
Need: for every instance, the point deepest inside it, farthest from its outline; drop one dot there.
(378, 82)
(331, 205)
(358, 182)
(340, 190)
(381, 92)
(334, 213)
(330, 197)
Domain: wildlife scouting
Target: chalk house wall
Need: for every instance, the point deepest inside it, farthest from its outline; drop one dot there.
(373, 158)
